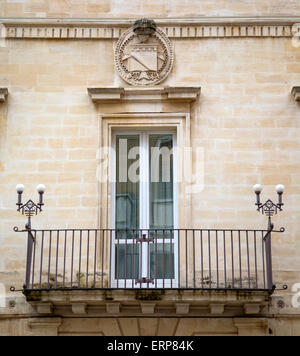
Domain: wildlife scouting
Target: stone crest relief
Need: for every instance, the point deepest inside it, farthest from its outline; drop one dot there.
(144, 54)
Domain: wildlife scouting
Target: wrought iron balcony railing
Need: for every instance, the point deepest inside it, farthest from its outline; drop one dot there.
(168, 259)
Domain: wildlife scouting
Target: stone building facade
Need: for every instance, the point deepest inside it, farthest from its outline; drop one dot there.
(221, 78)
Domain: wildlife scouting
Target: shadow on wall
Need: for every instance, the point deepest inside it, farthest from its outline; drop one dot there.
(3, 118)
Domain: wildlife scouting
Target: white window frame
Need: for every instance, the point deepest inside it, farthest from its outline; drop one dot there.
(144, 213)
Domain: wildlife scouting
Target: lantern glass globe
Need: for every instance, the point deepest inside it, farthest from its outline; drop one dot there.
(20, 188)
(257, 188)
(280, 188)
(41, 188)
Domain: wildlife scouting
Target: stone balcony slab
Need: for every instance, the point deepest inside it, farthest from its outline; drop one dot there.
(158, 302)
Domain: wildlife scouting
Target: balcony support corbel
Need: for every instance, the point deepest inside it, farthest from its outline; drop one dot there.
(79, 308)
(3, 94)
(216, 309)
(182, 308)
(148, 308)
(113, 308)
(296, 93)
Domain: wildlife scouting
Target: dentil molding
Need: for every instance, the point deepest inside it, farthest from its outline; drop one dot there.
(204, 27)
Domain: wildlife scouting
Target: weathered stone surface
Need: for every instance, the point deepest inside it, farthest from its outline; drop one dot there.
(251, 327)
(44, 326)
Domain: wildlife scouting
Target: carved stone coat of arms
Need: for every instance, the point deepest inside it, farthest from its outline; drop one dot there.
(144, 55)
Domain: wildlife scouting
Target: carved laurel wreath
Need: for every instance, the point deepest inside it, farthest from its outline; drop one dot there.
(153, 77)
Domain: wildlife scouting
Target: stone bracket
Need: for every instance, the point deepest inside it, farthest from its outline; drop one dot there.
(3, 94)
(148, 308)
(79, 308)
(296, 93)
(216, 309)
(182, 308)
(113, 308)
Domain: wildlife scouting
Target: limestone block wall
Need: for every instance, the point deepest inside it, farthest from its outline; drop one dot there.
(246, 121)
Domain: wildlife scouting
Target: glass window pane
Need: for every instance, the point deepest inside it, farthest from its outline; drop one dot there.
(127, 261)
(161, 181)
(162, 261)
(127, 183)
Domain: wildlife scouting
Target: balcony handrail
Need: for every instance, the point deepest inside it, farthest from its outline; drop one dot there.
(205, 258)
(178, 229)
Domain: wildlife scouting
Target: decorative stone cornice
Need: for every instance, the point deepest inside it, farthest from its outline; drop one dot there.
(109, 95)
(202, 27)
(296, 93)
(3, 94)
